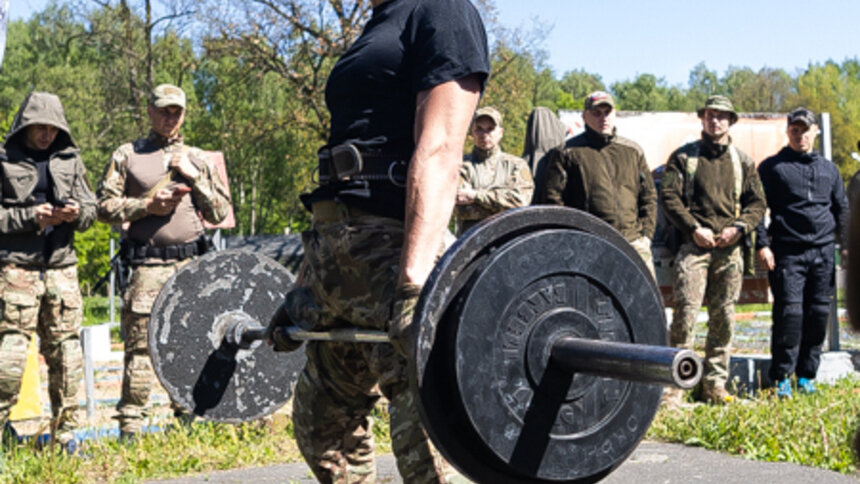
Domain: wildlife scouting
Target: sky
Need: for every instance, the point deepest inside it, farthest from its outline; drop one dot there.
(620, 39)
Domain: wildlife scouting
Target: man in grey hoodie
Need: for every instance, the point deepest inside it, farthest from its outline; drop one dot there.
(45, 198)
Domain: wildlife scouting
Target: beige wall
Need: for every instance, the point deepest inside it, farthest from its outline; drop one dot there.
(659, 134)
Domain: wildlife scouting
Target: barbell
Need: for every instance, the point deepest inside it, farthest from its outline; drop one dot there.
(539, 346)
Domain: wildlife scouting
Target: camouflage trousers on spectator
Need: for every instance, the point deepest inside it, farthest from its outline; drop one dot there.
(48, 303)
(643, 248)
(351, 267)
(138, 376)
(716, 275)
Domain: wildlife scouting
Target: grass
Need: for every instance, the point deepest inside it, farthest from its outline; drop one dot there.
(203, 447)
(812, 430)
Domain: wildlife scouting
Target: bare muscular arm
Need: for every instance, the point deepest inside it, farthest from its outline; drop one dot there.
(442, 117)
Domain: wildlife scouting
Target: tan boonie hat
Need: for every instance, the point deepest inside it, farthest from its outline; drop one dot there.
(719, 103)
(489, 112)
(168, 95)
(598, 98)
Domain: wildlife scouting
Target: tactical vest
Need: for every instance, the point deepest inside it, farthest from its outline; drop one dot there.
(145, 173)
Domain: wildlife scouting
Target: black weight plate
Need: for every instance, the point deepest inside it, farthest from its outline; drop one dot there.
(432, 372)
(189, 318)
(546, 423)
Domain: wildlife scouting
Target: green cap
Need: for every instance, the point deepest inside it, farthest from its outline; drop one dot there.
(167, 95)
(489, 112)
(719, 103)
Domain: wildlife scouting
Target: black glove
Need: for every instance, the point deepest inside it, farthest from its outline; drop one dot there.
(275, 332)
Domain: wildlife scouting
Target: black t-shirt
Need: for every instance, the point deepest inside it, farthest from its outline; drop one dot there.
(407, 46)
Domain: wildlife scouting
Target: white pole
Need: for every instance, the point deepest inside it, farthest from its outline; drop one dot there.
(89, 370)
(827, 152)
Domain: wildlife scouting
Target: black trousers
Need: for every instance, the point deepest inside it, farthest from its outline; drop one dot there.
(803, 286)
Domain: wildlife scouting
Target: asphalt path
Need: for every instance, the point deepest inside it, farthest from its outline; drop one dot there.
(651, 462)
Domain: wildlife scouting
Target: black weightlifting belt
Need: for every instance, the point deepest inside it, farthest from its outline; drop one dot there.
(347, 163)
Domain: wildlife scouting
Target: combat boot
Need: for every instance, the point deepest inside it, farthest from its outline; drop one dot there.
(63, 432)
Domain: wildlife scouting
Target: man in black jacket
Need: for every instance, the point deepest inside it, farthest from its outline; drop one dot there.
(808, 206)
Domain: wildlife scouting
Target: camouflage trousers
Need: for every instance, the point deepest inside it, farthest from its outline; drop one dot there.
(138, 376)
(717, 276)
(48, 303)
(643, 248)
(351, 266)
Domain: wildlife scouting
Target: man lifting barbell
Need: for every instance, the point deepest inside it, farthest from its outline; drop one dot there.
(539, 341)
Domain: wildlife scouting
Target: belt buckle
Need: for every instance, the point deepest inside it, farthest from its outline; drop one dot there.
(345, 161)
(391, 176)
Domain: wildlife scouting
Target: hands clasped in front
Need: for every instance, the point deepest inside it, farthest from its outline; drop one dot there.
(704, 237)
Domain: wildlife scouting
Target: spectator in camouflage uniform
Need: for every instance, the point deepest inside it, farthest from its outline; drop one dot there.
(605, 175)
(388, 182)
(491, 181)
(156, 185)
(712, 194)
(45, 199)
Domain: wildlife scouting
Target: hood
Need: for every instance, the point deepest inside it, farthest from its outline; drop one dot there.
(41, 108)
(543, 133)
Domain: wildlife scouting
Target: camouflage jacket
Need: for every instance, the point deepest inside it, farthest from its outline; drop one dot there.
(712, 201)
(208, 193)
(23, 242)
(501, 182)
(606, 176)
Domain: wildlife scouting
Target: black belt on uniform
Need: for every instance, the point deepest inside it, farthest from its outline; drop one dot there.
(138, 253)
(347, 163)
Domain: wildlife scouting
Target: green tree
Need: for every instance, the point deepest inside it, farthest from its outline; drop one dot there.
(834, 89)
(765, 91)
(645, 93)
(702, 83)
(578, 84)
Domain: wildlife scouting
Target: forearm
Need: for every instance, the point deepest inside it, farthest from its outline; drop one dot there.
(210, 196)
(648, 213)
(498, 199)
(647, 200)
(442, 117)
(113, 207)
(671, 198)
(86, 200)
(116, 210)
(15, 220)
